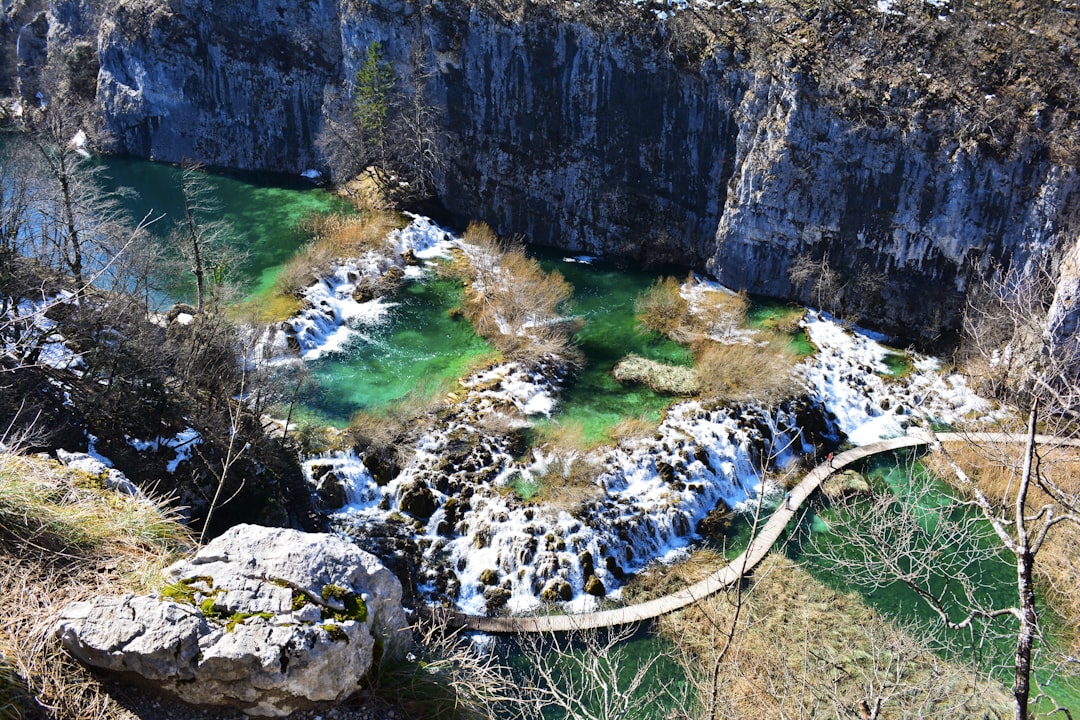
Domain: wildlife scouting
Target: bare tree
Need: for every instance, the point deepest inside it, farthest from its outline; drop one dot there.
(1014, 498)
(817, 278)
(385, 125)
(589, 675)
(202, 237)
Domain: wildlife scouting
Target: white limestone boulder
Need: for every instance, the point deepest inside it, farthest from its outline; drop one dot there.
(266, 620)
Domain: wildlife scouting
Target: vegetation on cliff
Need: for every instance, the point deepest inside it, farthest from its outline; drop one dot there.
(974, 71)
(65, 537)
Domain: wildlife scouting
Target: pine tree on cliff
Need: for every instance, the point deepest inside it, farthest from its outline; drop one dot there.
(371, 108)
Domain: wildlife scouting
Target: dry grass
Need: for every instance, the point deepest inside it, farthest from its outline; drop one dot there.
(802, 650)
(747, 365)
(390, 429)
(64, 538)
(271, 308)
(659, 580)
(632, 429)
(742, 371)
(511, 301)
(334, 237)
(662, 308)
(569, 482)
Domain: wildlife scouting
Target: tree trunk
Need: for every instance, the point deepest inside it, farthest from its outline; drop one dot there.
(1025, 638)
(1025, 590)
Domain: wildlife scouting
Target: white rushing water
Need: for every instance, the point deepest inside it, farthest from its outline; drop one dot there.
(332, 315)
(456, 513)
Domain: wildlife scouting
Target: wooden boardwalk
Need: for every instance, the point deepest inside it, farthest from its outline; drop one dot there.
(755, 552)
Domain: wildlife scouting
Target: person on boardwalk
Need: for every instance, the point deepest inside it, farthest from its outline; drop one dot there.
(829, 458)
(787, 501)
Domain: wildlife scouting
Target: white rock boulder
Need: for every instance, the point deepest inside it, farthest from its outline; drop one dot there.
(266, 620)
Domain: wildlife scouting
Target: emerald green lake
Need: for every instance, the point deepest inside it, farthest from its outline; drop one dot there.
(604, 298)
(266, 214)
(417, 347)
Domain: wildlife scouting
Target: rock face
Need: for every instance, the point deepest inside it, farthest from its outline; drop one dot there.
(266, 620)
(599, 139)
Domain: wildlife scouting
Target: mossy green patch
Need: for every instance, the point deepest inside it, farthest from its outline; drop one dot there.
(354, 607)
(335, 632)
(240, 618)
(184, 591)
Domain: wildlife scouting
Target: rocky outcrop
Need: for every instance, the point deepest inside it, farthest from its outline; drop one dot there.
(265, 620)
(605, 138)
(232, 84)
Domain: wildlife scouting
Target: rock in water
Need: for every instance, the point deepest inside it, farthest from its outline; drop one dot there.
(266, 620)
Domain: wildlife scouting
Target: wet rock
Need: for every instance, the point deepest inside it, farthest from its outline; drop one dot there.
(330, 491)
(717, 523)
(586, 561)
(614, 568)
(418, 501)
(495, 599)
(595, 586)
(666, 471)
(489, 576)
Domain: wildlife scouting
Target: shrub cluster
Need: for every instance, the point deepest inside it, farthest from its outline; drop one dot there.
(512, 302)
(334, 237)
(731, 363)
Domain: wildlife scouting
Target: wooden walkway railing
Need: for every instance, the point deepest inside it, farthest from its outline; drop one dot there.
(755, 552)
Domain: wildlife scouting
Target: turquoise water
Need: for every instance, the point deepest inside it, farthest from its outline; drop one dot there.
(995, 574)
(604, 298)
(265, 213)
(418, 350)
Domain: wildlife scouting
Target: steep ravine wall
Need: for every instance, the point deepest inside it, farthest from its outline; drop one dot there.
(596, 140)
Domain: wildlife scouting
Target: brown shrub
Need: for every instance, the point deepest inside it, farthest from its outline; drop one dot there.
(511, 301)
(746, 371)
(662, 308)
(799, 649)
(333, 238)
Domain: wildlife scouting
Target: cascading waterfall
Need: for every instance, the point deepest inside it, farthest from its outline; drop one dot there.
(482, 548)
(452, 518)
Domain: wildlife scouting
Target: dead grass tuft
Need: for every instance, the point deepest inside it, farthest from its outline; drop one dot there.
(659, 580)
(731, 363)
(334, 237)
(662, 308)
(511, 301)
(747, 371)
(389, 430)
(569, 481)
(631, 429)
(63, 537)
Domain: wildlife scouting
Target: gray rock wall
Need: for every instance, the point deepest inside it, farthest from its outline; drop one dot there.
(236, 84)
(597, 139)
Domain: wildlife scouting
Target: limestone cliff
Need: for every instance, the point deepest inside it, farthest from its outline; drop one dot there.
(619, 129)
